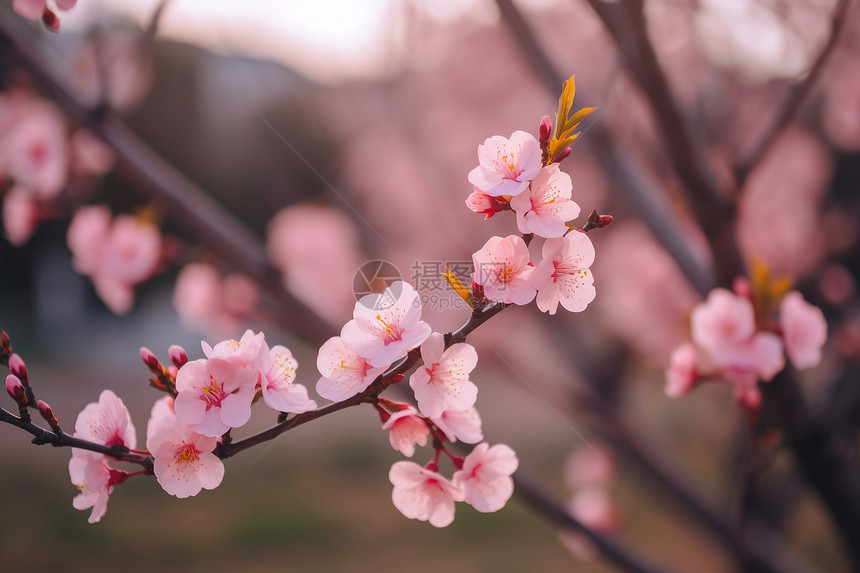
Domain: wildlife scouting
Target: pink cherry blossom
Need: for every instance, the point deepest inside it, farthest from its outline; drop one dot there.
(423, 494)
(567, 261)
(592, 464)
(33, 9)
(20, 215)
(184, 462)
(92, 476)
(214, 395)
(502, 268)
(161, 416)
(545, 207)
(681, 374)
(486, 477)
(804, 330)
(87, 233)
(385, 327)
(344, 372)
(208, 302)
(246, 351)
(443, 383)
(506, 165)
(36, 149)
(405, 429)
(280, 392)
(116, 255)
(722, 320)
(316, 248)
(761, 355)
(89, 154)
(106, 422)
(593, 507)
(464, 425)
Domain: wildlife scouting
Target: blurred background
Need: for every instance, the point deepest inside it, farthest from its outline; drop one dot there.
(364, 119)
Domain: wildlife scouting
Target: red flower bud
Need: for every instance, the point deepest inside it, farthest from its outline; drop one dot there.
(49, 416)
(150, 360)
(50, 20)
(16, 390)
(177, 355)
(17, 366)
(545, 129)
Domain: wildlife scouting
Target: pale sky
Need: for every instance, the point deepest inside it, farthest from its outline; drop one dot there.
(324, 39)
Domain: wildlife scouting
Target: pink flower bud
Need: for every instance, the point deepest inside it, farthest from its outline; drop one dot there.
(545, 129)
(17, 366)
(177, 355)
(16, 390)
(150, 360)
(563, 155)
(48, 414)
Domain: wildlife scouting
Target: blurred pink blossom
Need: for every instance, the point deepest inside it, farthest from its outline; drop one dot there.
(592, 464)
(681, 374)
(113, 68)
(804, 330)
(779, 212)
(20, 215)
(116, 254)
(316, 249)
(208, 302)
(35, 151)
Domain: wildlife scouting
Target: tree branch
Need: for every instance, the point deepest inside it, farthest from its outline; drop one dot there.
(183, 201)
(798, 96)
(626, 23)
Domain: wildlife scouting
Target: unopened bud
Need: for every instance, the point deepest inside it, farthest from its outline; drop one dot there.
(150, 360)
(563, 155)
(397, 378)
(17, 366)
(605, 220)
(16, 390)
(49, 416)
(50, 20)
(177, 355)
(545, 128)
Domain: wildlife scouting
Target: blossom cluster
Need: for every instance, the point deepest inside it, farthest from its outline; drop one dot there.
(739, 342)
(384, 329)
(512, 175)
